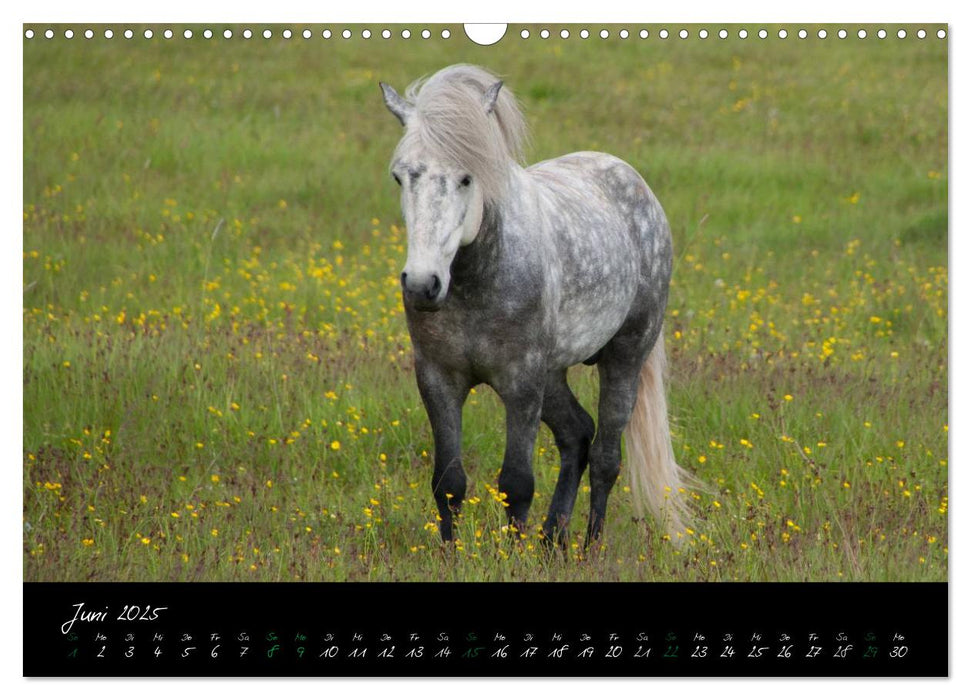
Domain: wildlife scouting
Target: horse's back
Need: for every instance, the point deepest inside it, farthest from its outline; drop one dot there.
(612, 243)
(598, 199)
(605, 180)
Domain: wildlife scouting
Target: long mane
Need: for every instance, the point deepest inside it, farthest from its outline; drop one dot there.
(450, 121)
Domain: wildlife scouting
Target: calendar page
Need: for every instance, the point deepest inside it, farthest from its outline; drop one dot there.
(485, 350)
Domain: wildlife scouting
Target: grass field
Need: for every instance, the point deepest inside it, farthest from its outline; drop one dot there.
(217, 374)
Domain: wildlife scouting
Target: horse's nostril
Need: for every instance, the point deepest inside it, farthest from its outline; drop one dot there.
(422, 289)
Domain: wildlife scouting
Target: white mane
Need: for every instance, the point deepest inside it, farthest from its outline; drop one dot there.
(451, 122)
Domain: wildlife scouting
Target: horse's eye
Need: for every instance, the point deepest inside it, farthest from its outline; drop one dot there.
(466, 181)
(396, 178)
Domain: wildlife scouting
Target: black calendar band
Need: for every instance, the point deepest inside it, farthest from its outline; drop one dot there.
(505, 629)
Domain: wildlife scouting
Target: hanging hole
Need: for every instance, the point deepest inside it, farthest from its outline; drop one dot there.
(486, 34)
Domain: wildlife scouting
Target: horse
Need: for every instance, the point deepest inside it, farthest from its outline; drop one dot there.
(514, 274)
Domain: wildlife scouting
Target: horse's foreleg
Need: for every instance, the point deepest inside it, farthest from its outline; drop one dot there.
(573, 430)
(523, 408)
(443, 395)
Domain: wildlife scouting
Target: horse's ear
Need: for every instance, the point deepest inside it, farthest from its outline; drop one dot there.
(396, 104)
(490, 97)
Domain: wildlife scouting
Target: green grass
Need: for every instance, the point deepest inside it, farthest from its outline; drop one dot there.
(217, 374)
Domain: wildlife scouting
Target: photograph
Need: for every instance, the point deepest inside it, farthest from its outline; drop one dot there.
(587, 304)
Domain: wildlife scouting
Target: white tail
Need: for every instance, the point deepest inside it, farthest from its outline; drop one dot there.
(657, 482)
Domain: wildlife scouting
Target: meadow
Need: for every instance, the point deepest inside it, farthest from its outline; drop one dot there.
(217, 374)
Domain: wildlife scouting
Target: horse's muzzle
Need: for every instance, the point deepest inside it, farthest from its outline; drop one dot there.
(422, 293)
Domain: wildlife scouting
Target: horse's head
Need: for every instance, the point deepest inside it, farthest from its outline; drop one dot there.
(442, 207)
(444, 183)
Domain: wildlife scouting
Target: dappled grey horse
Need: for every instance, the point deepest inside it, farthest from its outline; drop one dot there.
(515, 274)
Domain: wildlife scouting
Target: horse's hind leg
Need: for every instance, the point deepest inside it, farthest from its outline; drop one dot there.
(443, 395)
(619, 375)
(573, 430)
